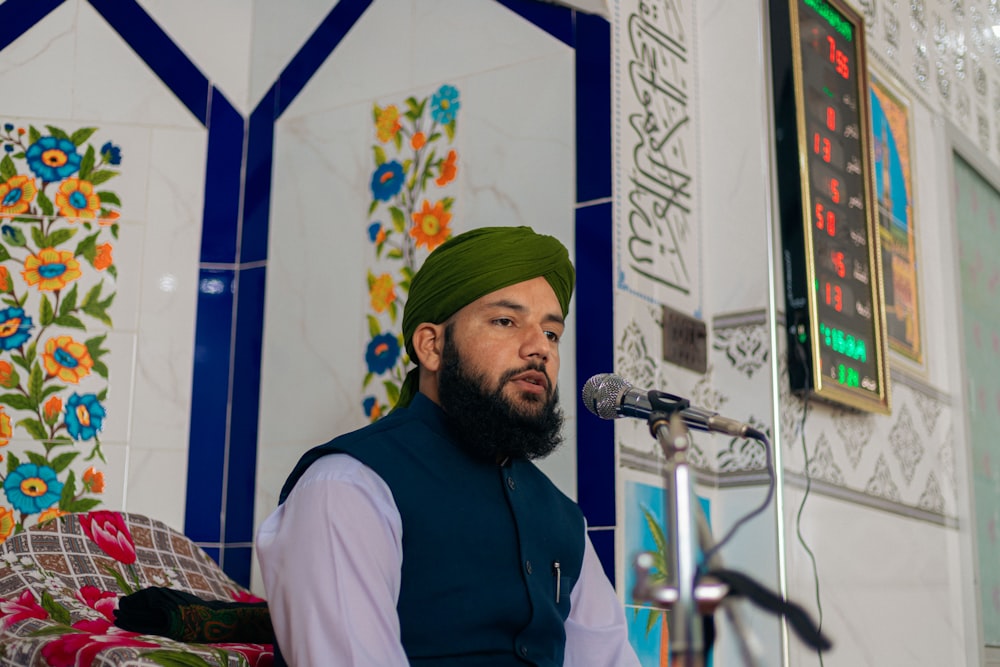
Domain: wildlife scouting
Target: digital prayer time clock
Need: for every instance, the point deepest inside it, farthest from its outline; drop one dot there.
(834, 310)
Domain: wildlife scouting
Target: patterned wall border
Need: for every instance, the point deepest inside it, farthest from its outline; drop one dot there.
(913, 438)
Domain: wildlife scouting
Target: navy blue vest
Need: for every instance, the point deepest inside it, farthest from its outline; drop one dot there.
(490, 553)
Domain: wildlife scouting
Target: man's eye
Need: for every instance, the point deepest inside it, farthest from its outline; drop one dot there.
(553, 336)
(503, 321)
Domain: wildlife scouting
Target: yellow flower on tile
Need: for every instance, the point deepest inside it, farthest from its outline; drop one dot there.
(382, 292)
(67, 359)
(387, 123)
(76, 199)
(7, 523)
(6, 430)
(16, 195)
(51, 269)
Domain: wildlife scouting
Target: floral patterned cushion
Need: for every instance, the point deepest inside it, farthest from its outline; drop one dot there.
(60, 583)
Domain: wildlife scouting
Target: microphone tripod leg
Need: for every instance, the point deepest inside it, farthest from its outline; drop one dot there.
(748, 645)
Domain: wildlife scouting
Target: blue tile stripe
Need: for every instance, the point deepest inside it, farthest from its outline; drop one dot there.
(316, 50)
(19, 16)
(553, 19)
(257, 197)
(596, 470)
(593, 110)
(595, 467)
(223, 182)
(241, 466)
(181, 76)
(209, 406)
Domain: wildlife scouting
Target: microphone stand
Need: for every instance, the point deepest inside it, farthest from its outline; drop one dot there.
(688, 597)
(687, 643)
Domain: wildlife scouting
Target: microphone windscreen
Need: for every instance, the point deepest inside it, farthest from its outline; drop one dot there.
(602, 394)
(590, 390)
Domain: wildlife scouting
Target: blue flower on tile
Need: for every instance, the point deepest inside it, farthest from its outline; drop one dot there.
(53, 159)
(15, 328)
(373, 231)
(8, 126)
(31, 488)
(445, 104)
(387, 180)
(9, 148)
(382, 353)
(112, 154)
(84, 416)
(371, 407)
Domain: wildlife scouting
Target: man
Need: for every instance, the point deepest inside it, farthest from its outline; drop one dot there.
(429, 537)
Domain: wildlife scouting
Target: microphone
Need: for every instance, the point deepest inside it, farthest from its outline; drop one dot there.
(610, 397)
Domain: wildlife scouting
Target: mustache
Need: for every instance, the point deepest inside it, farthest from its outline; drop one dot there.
(538, 368)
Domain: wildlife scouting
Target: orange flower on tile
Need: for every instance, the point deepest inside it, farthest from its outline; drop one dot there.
(51, 409)
(387, 123)
(430, 227)
(51, 269)
(51, 513)
(7, 376)
(382, 292)
(67, 359)
(93, 480)
(449, 168)
(418, 140)
(7, 523)
(103, 259)
(108, 218)
(4, 279)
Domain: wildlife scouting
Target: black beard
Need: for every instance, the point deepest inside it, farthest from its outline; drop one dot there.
(486, 424)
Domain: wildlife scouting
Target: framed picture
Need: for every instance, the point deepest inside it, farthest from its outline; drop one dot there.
(894, 190)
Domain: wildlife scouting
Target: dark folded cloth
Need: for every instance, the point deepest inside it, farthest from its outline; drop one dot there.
(185, 617)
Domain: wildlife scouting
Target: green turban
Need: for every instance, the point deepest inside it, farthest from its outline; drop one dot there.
(472, 265)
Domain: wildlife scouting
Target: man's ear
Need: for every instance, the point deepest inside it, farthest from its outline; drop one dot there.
(428, 343)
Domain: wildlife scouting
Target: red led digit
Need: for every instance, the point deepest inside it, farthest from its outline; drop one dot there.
(822, 146)
(842, 68)
(834, 296)
(838, 262)
(838, 58)
(826, 220)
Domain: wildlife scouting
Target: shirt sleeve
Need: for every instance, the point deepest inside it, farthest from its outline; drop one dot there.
(330, 559)
(596, 632)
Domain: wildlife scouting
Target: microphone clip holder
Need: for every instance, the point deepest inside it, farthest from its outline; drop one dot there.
(664, 407)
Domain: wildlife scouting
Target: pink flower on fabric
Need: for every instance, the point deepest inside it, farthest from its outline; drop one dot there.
(108, 531)
(78, 649)
(25, 606)
(245, 596)
(103, 601)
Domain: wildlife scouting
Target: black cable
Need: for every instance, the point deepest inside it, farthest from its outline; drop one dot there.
(802, 505)
(761, 438)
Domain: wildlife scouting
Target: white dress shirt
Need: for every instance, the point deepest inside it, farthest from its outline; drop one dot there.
(331, 559)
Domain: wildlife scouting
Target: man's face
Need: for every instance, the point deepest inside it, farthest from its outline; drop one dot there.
(511, 338)
(497, 381)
